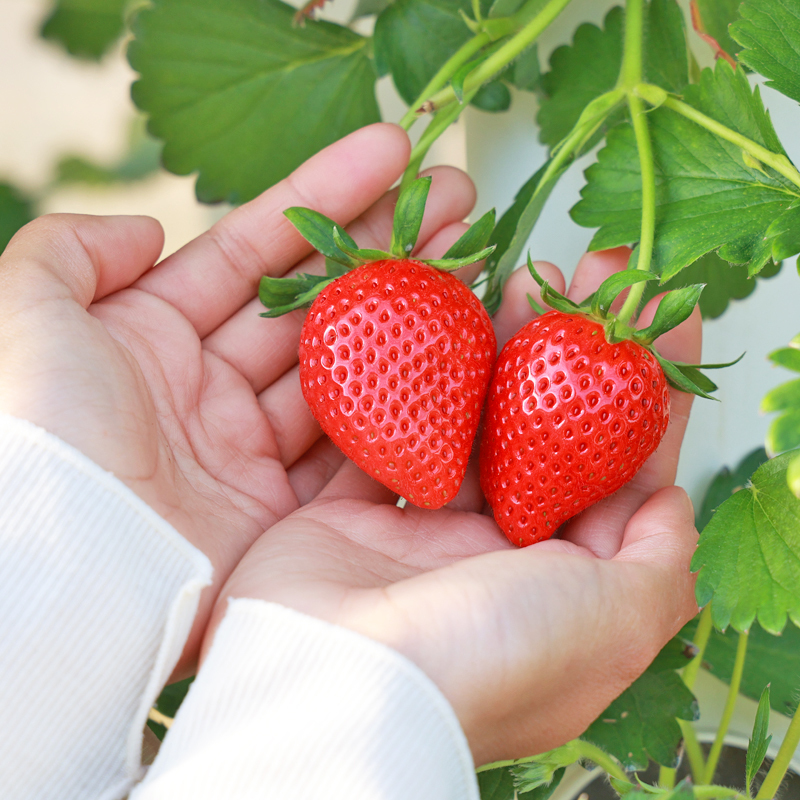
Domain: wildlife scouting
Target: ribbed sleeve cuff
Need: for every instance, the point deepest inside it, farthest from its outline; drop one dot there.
(286, 706)
(98, 596)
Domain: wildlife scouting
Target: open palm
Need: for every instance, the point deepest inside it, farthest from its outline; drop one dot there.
(528, 645)
(171, 380)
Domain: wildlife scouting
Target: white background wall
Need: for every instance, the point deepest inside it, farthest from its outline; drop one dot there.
(54, 105)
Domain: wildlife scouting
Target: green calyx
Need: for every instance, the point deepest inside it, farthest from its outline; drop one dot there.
(674, 308)
(342, 254)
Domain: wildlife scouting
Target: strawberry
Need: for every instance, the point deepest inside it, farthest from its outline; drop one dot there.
(569, 419)
(578, 402)
(395, 353)
(395, 361)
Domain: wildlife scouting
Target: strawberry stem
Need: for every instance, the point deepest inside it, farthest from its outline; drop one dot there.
(780, 765)
(630, 76)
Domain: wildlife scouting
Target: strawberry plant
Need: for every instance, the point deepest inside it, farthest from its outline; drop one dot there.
(687, 170)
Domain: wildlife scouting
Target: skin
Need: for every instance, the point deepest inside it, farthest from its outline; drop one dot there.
(166, 376)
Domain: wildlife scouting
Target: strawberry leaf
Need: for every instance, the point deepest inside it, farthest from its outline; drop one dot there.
(450, 264)
(749, 554)
(611, 287)
(759, 742)
(408, 217)
(723, 281)
(281, 295)
(513, 231)
(85, 28)
(551, 296)
(243, 97)
(16, 210)
(590, 66)
(317, 229)
(641, 723)
(673, 309)
(770, 659)
(475, 238)
(769, 32)
(500, 784)
(360, 255)
(784, 432)
(414, 38)
(678, 379)
(707, 197)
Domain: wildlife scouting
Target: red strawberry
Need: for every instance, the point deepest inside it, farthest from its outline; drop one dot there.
(570, 418)
(395, 361)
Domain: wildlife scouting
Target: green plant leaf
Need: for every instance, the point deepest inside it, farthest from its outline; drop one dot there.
(499, 784)
(759, 742)
(238, 94)
(525, 73)
(16, 210)
(282, 295)
(85, 28)
(450, 264)
(512, 232)
(475, 238)
(317, 229)
(723, 281)
(712, 18)
(168, 703)
(494, 96)
(590, 67)
(408, 216)
(769, 33)
(707, 197)
(770, 659)
(611, 287)
(360, 255)
(784, 432)
(413, 39)
(682, 379)
(366, 8)
(749, 554)
(725, 483)
(642, 722)
(673, 309)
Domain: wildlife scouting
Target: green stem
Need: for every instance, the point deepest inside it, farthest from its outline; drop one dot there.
(777, 161)
(712, 792)
(601, 758)
(630, 76)
(781, 763)
(437, 126)
(499, 60)
(727, 713)
(444, 75)
(666, 776)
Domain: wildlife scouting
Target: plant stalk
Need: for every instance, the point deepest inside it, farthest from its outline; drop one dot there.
(630, 76)
(603, 760)
(666, 776)
(499, 60)
(713, 792)
(780, 765)
(727, 713)
(777, 161)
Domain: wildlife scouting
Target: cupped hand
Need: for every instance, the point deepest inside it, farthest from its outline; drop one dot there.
(166, 375)
(529, 646)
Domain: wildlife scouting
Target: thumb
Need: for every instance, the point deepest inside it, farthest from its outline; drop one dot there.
(88, 256)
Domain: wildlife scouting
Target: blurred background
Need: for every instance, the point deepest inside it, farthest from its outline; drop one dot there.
(72, 141)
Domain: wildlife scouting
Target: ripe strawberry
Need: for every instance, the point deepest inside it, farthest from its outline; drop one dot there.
(395, 361)
(395, 354)
(569, 419)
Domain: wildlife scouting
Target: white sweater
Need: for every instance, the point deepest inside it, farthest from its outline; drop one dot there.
(97, 597)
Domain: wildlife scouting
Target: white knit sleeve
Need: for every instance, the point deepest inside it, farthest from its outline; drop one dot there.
(286, 706)
(97, 597)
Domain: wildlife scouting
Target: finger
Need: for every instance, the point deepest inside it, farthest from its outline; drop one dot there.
(79, 256)
(353, 483)
(264, 349)
(315, 469)
(601, 527)
(216, 274)
(515, 310)
(594, 268)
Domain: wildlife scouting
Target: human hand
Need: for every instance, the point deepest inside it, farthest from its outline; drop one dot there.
(166, 376)
(529, 646)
